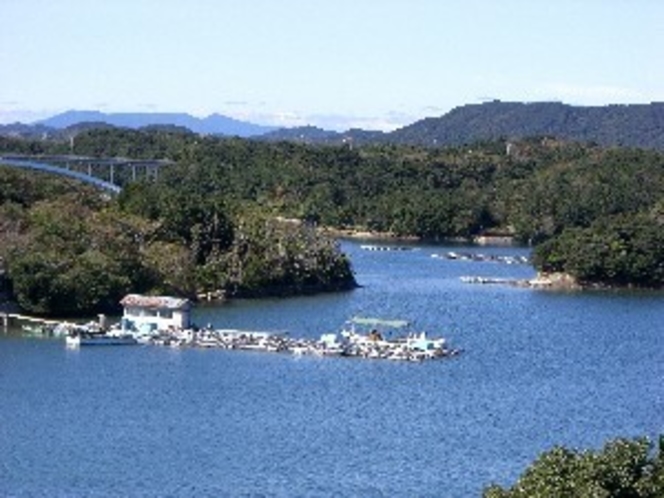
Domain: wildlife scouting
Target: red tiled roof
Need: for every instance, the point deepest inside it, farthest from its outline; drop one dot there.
(167, 302)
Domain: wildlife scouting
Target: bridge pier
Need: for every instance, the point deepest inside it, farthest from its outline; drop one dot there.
(74, 166)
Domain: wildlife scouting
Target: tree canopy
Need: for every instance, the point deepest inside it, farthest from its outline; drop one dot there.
(623, 468)
(67, 251)
(201, 220)
(626, 251)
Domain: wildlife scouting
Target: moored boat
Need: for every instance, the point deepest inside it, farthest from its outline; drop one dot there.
(82, 337)
(385, 340)
(38, 329)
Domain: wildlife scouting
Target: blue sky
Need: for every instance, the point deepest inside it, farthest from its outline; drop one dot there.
(374, 64)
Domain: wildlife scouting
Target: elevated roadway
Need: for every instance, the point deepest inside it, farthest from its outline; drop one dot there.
(60, 165)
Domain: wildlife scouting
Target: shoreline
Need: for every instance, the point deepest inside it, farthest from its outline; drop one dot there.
(363, 234)
(358, 234)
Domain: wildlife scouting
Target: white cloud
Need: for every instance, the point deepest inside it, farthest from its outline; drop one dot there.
(334, 122)
(340, 122)
(286, 119)
(434, 110)
(589, 94)
(10, 116)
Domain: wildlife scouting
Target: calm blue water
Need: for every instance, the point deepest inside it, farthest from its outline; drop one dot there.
(538, 369)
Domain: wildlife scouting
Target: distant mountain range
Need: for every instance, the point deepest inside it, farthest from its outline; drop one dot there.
(214, 124)
(634, 125)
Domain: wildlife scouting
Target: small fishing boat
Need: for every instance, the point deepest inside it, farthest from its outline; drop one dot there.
(37, 329)
(386, 340)
(85, 337)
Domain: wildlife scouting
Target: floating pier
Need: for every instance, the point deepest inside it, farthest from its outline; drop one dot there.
(373, 247)
(479, 257)
(414, 346)
(486, 280)
(9, 318)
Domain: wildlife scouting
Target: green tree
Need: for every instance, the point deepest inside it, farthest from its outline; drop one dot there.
(623, 251)
(623, 468)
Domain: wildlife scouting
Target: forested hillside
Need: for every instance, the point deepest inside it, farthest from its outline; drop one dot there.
(222, 215)
(636, 125)
(614, 125)
(533, 188)
(537, 190)
(69, 250)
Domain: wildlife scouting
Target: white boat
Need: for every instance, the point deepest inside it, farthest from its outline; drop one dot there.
(385, 341)
(79, 338)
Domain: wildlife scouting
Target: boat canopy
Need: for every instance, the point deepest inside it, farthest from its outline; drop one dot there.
(377, 322)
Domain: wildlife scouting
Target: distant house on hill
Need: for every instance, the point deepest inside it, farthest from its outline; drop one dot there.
(148, 313)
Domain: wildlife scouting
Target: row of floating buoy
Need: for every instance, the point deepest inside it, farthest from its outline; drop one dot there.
(373, 247)
(469, 256)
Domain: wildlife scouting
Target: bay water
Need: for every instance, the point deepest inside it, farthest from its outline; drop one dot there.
(538, 369)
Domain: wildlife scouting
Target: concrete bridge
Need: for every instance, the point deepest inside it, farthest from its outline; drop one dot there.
(83, 168)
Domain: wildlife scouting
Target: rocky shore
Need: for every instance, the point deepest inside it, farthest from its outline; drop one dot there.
(554, 281)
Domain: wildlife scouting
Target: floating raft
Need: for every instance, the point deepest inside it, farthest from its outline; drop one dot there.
(416, 347)
(372, 247)
(486, 280)
(347, 343)
(470, 256)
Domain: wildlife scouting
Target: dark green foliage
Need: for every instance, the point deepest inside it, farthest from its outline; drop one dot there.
(20, 146)
(66, 251)
(154, 143)
(574, 192)
(614, 125)
(536, 189)
(623, 468)
(27, 188)
(620, 251)
(48, 283)
(281, 257)
(67, 258)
